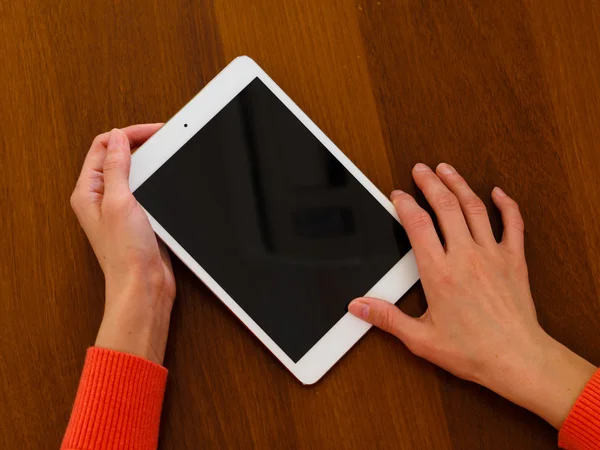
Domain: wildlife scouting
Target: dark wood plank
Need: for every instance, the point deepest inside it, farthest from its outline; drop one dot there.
(464, 83)
(69, 72)
(568, 42)
(507, 91)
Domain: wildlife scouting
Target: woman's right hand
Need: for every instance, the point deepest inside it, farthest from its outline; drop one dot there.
(481, 323)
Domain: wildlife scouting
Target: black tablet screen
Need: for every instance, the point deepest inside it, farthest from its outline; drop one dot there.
(274, 218)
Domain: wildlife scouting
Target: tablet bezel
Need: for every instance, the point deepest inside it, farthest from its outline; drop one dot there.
(182, 127)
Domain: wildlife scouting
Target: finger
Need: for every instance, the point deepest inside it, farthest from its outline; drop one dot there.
(472, 207)
(117, 164)
(87, 196)
(90, 184)
(419, 228)
(513, 237)
(137, 134)
(444, 203)
(388, 317)
(94, 161)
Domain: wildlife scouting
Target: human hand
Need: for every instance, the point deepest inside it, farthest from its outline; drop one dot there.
(140, 287)
(481, 323)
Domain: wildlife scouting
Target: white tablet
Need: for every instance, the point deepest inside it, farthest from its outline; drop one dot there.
(251, 195)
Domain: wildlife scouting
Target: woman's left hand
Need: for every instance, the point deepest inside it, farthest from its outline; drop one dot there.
(140, 287)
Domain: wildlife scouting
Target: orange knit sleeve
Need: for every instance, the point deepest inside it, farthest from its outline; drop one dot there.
(118, 403)
(581, 429)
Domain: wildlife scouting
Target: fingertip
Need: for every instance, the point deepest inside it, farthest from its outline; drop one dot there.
(116, 139)
(155, 126)
(445, 169)
(499, 197)
(499, 192)
(138, 134)
(395, 194)
(360, 308)
(420, 167)
(117, 163)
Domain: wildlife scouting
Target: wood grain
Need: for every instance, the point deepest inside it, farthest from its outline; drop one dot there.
(507, 91)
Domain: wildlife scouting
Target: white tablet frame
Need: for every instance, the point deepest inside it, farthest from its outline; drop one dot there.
(174, 134)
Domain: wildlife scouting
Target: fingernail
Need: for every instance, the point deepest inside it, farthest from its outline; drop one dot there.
(396, 193)
(115, 138)
(499, 191)
(359, 309)
(445, 169)
(420, 167)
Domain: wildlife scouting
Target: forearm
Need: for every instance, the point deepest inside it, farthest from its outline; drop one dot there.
(136, 320)
(543, 376)
(560, 380)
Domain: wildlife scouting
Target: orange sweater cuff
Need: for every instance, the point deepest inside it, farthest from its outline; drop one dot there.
(581, 430)
(118, 402)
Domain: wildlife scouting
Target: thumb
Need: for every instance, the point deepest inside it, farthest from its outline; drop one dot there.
(389, 318)
(117, 163)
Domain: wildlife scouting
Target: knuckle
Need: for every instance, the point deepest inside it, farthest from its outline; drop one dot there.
(517, 224)
(444, 277)
(474, 206)
(387, 320)
(116, 205)
(476, 268)
(518, 263)
(513, 216)
(75, 200)
(471, 253)
(99, 139)
(419, 221)
(512, 205)
(447, 201)
(112, 161)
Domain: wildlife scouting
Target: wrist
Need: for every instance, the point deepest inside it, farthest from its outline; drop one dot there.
(561, 379)
(541, 375)
(136, 320)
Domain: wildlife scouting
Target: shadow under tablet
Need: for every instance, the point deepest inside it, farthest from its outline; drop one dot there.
(274, 218)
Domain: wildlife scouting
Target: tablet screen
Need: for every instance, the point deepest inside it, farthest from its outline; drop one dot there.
(274, 218)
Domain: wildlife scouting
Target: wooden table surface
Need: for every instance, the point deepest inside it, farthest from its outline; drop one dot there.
(505, 90)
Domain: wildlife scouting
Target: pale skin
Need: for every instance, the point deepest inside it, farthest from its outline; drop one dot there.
(140, 286)
(480, 324)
